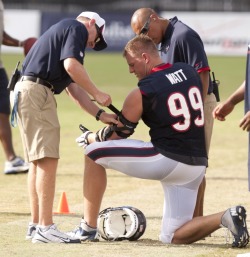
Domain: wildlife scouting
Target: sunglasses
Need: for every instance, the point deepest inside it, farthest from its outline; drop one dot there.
(145, 27)
(98, 34)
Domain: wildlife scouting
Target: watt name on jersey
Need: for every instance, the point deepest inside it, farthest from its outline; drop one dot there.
(176, 77)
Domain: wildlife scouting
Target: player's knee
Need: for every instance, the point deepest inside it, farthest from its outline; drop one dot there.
(166, 239)
(171, 239)
(178, 241)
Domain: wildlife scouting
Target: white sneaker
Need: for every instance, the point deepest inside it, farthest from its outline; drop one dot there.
(18, 165)
(84, 232)
(31, 231)
(52, 235)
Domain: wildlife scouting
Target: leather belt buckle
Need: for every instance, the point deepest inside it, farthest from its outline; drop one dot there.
(38, 81)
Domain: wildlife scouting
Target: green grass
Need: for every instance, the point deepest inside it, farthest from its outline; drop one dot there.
(226, 176)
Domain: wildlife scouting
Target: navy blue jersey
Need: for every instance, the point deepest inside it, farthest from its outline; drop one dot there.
(65, 39)
(182, 44)
(173, 110)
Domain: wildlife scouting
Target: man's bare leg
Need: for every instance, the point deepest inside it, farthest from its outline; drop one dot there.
(197, 229)
(45, 186)
(198, 211)
(33, 197)
(94, 185)
(6, 137)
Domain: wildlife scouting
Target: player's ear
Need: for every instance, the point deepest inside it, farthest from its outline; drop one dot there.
(91, 23)
(154, 17)
(145, 57)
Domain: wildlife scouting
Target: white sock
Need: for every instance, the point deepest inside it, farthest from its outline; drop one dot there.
(32, 224)
(45, 228)
(86, 227)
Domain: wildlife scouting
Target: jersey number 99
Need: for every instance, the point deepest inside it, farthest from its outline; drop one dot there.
(178, 107)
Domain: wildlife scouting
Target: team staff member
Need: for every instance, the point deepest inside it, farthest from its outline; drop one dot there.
(180, 43)
(55, 63)
(169, 101)
(13, 164)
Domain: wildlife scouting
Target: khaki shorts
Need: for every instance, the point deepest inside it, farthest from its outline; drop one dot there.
(38, 121)
(209, 105)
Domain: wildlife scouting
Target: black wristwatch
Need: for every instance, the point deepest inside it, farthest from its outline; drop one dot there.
(99, 114)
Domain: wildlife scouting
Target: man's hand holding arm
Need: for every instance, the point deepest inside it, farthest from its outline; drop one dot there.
(80, 96)
(131, 111)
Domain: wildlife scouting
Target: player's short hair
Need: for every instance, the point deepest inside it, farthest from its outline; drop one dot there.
(140, 44)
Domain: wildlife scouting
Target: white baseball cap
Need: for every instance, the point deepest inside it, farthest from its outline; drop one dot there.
(100, 22)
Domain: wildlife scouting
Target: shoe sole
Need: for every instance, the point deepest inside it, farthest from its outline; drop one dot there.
(39, 238)
(89, 240)
(46, 241)
(37, 241)
(11, 172)
(243, 240)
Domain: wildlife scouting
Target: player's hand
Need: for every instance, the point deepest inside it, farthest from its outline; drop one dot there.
(83, 140)
(102, 98)
(222, 110)
(245, 122)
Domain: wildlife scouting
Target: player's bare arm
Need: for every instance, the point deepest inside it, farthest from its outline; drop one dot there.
(80, 76)
(132, 106)
(130, 114)
(129, 117)
(10, 41)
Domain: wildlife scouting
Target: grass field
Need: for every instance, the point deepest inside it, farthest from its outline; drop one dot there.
(226, 175)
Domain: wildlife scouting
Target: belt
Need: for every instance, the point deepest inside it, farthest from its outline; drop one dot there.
(38, 81)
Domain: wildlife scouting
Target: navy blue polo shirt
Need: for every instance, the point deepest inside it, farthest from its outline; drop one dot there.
(65, 39)
(182, 44)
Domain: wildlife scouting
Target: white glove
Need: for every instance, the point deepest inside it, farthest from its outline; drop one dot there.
(83, 139)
